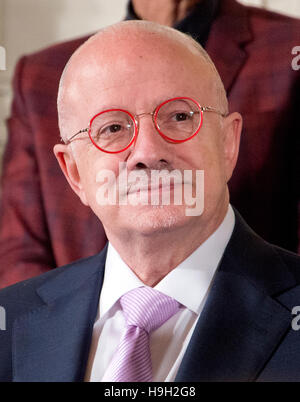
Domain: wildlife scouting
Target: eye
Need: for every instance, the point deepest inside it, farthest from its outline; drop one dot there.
(113, 128)
(182, 116)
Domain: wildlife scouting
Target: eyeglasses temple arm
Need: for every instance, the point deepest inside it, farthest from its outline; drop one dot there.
(67, 142)
(211, 109)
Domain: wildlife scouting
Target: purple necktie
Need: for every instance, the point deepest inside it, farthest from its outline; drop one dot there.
(145, 310)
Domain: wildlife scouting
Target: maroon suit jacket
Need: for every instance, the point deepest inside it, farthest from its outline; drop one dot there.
(43, 223)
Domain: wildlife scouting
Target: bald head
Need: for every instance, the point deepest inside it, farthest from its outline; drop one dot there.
(121, 44)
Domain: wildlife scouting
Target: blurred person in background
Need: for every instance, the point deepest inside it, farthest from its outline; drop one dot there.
(43, 225)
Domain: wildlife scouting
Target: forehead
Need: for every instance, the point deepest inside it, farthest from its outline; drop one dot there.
(141, 68)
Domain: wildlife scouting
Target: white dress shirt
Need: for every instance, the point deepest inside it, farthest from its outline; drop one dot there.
(188, 283)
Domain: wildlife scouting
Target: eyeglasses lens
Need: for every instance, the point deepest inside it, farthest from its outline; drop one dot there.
(178, 119)
(113, 130)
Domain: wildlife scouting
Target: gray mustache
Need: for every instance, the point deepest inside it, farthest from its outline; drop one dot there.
(156, 178)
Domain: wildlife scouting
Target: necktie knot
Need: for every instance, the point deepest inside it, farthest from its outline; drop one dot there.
(147, 308)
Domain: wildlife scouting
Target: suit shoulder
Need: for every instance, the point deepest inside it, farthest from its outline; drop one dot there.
(22, 295)
(17, 301)
(46, 64)
(57, 52)
(274, 24)
(291, 259)
(269, 15)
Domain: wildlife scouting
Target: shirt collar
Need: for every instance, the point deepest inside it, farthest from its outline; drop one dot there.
(197, 23)
(195, 273)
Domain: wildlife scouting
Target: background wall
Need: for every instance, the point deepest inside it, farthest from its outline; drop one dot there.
(28, 25)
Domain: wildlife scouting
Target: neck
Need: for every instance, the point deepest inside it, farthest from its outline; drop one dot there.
(152, 257)
(171, 12)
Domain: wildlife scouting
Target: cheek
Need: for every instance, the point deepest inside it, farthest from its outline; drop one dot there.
(208, 157)
(92, 166)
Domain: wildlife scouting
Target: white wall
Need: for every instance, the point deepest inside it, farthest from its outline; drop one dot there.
(28, 25)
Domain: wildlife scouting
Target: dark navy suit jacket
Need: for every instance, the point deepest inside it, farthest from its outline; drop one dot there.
(243, 334)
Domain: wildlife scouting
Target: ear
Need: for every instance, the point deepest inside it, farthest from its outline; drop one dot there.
(232, 128)
(67, 163)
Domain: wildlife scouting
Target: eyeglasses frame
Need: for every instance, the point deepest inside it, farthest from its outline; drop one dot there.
(154, 118)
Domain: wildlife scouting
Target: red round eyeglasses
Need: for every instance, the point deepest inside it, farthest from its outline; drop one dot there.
(177, 120)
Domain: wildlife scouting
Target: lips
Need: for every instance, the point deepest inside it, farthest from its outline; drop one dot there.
(154, 187)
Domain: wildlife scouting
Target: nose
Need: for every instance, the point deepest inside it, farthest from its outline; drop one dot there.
(149, 150)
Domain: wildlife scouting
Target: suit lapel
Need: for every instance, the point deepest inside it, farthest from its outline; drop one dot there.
(228, 35)
(51, 342)
(242, 323)
(236, 334)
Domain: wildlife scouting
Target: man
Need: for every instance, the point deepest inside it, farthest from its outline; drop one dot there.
(184, 298)
(252, 50)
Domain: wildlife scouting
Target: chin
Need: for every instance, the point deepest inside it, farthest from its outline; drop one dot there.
(149, 219)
